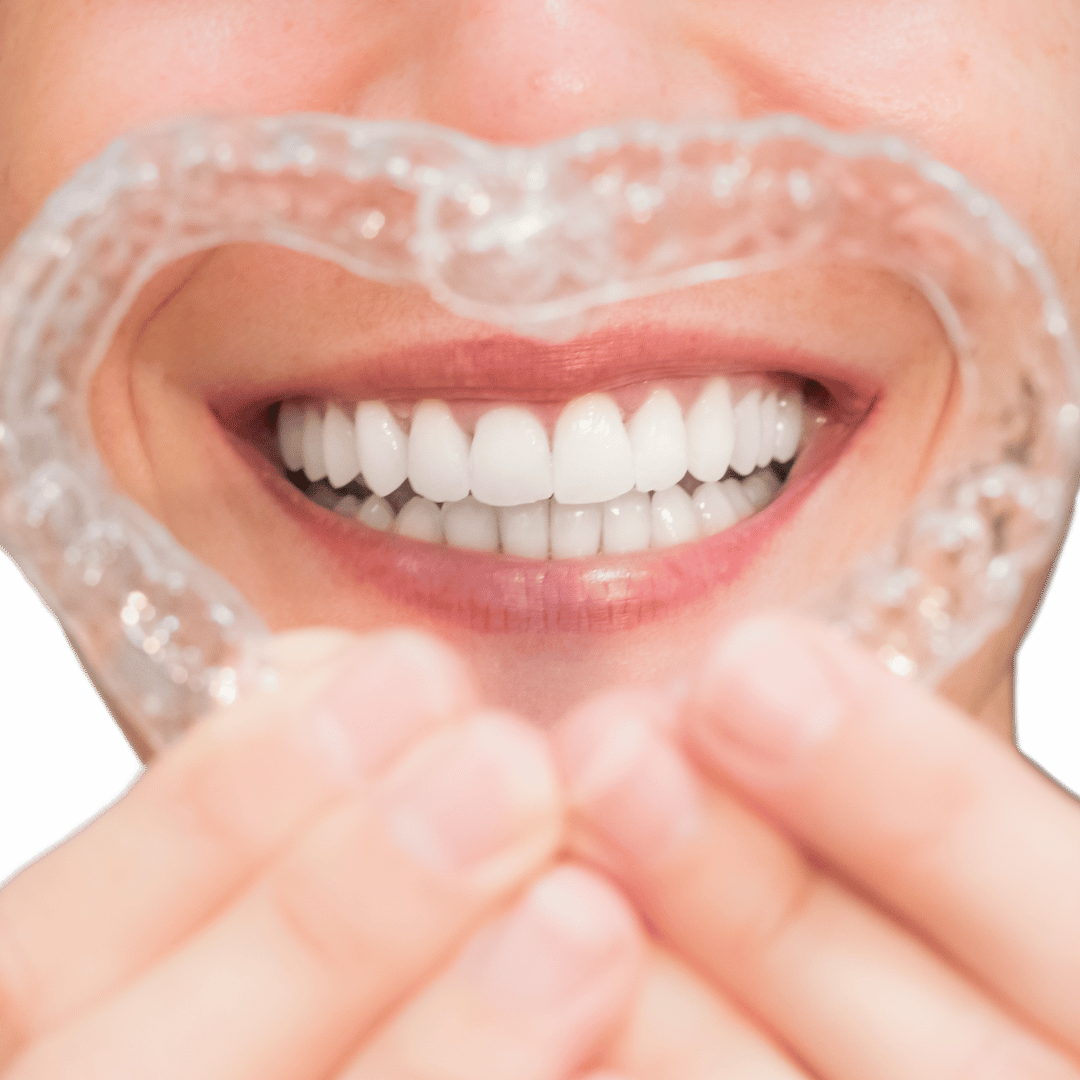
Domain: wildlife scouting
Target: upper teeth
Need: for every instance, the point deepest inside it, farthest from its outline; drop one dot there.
(594, 459)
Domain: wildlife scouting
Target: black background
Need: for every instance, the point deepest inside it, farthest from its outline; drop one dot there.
(62, 757)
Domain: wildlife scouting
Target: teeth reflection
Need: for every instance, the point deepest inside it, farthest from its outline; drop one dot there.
(376, 513)
(471, 524)
(312, 444)
(627, 524)
(438, 454)
(674, 519)
(339, 447)
(382, 447)
(747, 433)
(658, 441)
(592, 457)
(420, 519)
(575, 530)
(710, 432)
(524, 529)
(291, 435)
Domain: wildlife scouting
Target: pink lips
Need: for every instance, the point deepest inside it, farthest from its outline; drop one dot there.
(497, 593)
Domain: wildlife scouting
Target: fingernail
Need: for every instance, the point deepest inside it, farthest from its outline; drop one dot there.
(765, 698)
(472, 794)
(626, 778)
(569, 929)
(384, 693)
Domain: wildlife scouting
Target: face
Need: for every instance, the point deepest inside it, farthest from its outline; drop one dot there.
(714, 451)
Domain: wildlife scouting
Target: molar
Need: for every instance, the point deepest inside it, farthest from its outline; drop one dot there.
(291, 435)
(312, 444)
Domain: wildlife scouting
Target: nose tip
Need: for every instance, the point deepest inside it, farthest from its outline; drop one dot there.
(525, 71)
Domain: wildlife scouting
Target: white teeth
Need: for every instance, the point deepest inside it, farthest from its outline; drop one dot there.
(714, 510)
(376, 513)
(510, 460)
(524, 529)
(627, 523)
(789, 425)
(710, 432)
(291, 435)
(658, 442)
(760, 487)
(438, 454)
(768, 431)
(420, 519)
(747, 433)
(348, 506)
(575, 530)
(339, 448)
(592, 457)
(674, 519)
(312, 443)
(471, 524)
(381, 447)
(733, 489)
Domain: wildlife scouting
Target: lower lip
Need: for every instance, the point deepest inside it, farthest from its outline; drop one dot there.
(492, 593)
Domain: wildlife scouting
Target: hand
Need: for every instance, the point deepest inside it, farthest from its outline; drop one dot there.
(866, 883)
(274, 888)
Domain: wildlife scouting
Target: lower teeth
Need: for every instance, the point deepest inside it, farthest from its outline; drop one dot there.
(633, 522)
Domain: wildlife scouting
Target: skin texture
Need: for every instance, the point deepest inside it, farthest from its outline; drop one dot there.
(379, 870)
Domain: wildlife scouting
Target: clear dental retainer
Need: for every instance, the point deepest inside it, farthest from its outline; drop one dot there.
(536, 240)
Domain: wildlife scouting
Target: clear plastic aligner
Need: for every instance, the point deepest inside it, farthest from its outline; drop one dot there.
(535, 240)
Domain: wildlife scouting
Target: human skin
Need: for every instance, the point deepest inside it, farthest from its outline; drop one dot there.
(886, 831)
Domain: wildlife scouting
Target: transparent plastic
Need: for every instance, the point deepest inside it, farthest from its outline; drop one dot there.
(535, 240)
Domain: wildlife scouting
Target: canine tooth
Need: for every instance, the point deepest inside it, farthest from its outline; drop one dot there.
(767, 446)
(382, 448)
(760, 487)
(733, 489)
(592, 458)
(438, 454)
(747, 433)
(710, 431)
(348, 506)
(290, 426)
(658, 442)
(312, 440)
(339, 448)
(674, 519)
(789, 424)
(575, 530)
(471, 524)
(627, 523)
(376, 513)
(524, 529)
(420, 519)
(714, 509)
(510, 459)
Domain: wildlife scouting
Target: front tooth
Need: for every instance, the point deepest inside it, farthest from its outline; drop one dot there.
(575, 530)
(339, 448)
(710, 431)
(789, 425)
(714, 509)
(290, 425)
(382, 448)
(438, 454)
(658, 442)
(376, 513)
(593, 461)
(767, 446)
(674, 519)
(747, 433)
(733, 489)
(760, 487)
(312, 441)
(510, 459)
(420, 519)
(471, 524)
(627, 523)
(524, 529)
